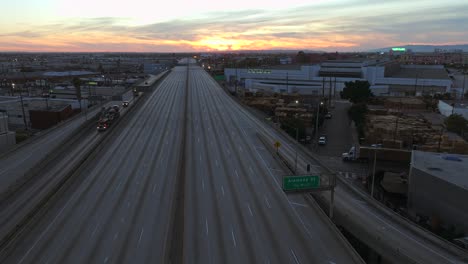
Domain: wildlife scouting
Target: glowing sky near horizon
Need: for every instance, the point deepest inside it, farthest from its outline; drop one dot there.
(187, 25)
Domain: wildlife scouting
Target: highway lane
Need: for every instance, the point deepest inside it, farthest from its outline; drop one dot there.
(18, 206)
(14, 165)
(235, 210)
(236, 207)
(121, 209)
(388, 236)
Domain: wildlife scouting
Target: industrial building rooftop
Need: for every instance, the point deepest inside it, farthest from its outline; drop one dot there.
(448, 167)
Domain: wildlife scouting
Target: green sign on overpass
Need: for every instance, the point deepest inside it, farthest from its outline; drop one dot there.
(299, 183)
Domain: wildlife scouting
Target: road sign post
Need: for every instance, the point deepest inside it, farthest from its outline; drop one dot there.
(301, 183)
(277, 145)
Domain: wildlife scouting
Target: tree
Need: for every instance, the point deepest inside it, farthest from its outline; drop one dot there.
(456, 123)
(100, 68)
(301, 57)
(357, 113)
(357, 91)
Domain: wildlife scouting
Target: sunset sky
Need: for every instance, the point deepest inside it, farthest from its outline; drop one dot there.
(188, 25)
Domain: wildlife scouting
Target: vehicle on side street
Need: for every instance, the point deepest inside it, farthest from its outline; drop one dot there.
(125, 104)
(365, 154)
(322, 140)
(328, 115)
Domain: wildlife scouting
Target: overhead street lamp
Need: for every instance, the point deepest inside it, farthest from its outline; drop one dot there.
(22, 106)
(320, 103)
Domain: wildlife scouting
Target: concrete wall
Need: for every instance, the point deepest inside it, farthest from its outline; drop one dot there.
(7, 140)
(434, 197)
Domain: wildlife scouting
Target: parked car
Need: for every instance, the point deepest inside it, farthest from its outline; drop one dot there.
(328, 115)
(125, 103)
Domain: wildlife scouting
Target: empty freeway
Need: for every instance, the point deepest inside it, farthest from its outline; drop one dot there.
(182, 179)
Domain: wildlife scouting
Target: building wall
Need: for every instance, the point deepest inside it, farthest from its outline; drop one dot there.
(433, 197)
(15, 113)
(375, 75)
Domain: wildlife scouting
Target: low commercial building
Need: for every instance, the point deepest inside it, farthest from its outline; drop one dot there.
(13, 107)
(438, 189)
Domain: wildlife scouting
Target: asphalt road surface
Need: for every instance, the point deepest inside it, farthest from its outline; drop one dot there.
(234, 209)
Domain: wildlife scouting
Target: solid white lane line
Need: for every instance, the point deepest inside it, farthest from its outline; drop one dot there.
(95, 229)
(120, 182)
(233, 237)
(141, 234)
(206, 226)
(237, 175)
(216, 161)
(295, 257)
(250, 210)
(298, 204)
(154, 188)
(222, 189)
(200, 157)
(198, 139)
(267, 202)
(203, 184)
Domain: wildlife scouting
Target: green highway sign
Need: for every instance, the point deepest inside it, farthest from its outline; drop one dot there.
(303, 182)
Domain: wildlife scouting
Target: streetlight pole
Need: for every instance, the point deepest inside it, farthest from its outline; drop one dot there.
(295, 160)
(317, 121)
(22, 107)
(373, 172)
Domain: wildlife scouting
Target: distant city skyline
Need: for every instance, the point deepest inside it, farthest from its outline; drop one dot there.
(187, 26)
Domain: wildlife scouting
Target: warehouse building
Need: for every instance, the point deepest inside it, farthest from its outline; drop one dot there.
(438, 189)
(387, 78)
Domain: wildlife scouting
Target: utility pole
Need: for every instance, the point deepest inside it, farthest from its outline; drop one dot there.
(334, 89)
(323, 87)
(329, 93)
(416, 84)
(463, 88)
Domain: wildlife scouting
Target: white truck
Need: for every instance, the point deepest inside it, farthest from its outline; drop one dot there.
(365, 154)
